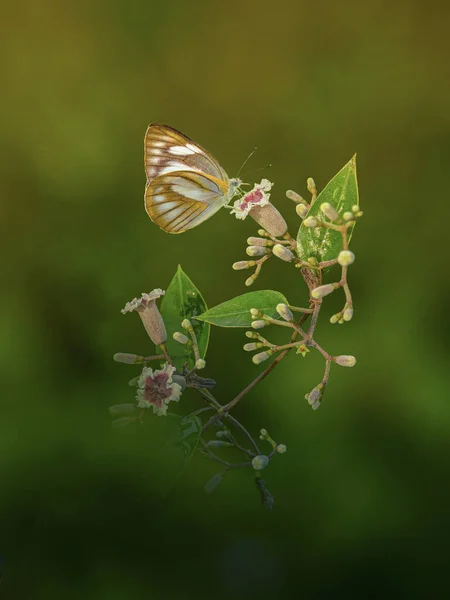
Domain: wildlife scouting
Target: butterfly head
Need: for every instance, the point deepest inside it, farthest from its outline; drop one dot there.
(234, 187)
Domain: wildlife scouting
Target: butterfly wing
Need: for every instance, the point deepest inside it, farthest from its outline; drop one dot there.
(167, 150)
(180, 200)
(185, 183)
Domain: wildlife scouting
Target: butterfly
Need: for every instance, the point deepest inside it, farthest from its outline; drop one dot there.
(185, 183)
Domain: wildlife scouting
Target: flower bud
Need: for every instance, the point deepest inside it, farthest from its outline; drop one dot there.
(311, 185)
(355, 208)
(186, 324)
(250, 280)
(345, 258)
(348, 314)
(200, 364)
(348, 216)
(263, 232)
(243, 264)
(256, 251)
(180, 338)
(269, 217)
(260, 462)
(258, 324)
(283, 253)
(324, 290)
(263, 433)
(253, 346)
(315, 394)
(261, 357)
(211, 485)
(255, 312)
(127, 359)
(285, 312)
(252, 335)
(294, 196)
(316, 405)
(335, 318)
(281, 448)
(345, 360)
(329, 211)
(301, 210)
(256, 241)
(310, 222)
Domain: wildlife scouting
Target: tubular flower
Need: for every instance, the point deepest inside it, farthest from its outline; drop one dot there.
(151, 318)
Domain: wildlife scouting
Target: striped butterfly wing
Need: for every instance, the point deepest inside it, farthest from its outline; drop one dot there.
(185, 183)
(180, 200)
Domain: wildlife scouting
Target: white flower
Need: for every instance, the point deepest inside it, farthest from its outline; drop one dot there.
(141, 303)
(157, 389)
(258, 196)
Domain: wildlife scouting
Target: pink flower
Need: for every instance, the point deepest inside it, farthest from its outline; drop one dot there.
(258, 196)
(157, 389)
(151, 318)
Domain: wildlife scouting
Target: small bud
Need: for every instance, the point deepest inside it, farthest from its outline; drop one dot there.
(315, 394)
(263, 433)
(255, 241)
(258, 324)
(329, 211)
(261, 357)
(281, 448)
(127, 359)
(250, 280)
(335, 318)
(349, 216)
(256, 251)
(243, 264)
(180, 338)
(252, 335)
(310, 222)
(260, 462)
(283, 253)
(316, 405)
(270, 218)
(348, 314)
(253, 346)
(285, 312)
(200, 364)
(312, 261)
(324, 290)
(355, 208)
(255, 312)
(301, 210)
(345, 258)
(311, 185)
(211, 485)
(294, 196)
(263, 232)
(345, 360)
(186, 324)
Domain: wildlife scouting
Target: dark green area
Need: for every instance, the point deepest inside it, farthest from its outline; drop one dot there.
(362, 492)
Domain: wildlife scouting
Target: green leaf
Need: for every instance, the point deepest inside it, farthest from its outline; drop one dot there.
(236, 312)
(342, 193)
(184, 301)
(123, 422)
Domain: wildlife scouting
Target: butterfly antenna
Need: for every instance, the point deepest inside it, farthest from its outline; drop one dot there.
(246, 160)
(260, 169)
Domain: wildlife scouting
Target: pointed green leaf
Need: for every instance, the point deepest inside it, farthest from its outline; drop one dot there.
(236, 312)
(342, 193)
(184, 301)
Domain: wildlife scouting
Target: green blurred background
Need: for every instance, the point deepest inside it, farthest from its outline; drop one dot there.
(362, 493)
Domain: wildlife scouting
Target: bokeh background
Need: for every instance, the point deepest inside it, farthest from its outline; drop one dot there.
(362, 494)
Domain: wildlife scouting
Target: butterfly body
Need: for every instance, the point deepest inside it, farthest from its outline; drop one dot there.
(185, 183)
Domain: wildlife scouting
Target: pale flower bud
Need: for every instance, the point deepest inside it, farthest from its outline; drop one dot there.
(270, 218)
(252, 335)
(263, 433)
(255, 312)
(348, 216)
(314, 395)
(200, 364)
(345, 258)
(310, 222)
(294, 196)
(345, 360)
(301, 210)
(127, 359)
(329, 211)
(186, 324)
(335, 318)
(263, 232)
(180, 338)
(285, 312)
(316, 405)
(323, 290)
(250, 280)
(256, 251)
(282, 252)
(253, 346)
(257, 241)
(261, 357)
(311, 185)
(281, 448)
(348, 314)
(258, 324)
(260, 462)
(243, 264)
